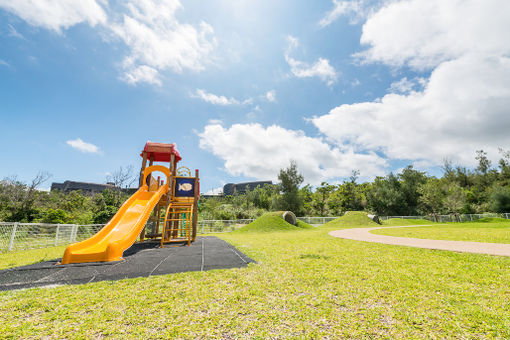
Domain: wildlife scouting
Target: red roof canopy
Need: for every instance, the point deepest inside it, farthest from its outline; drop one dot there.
(161, 152)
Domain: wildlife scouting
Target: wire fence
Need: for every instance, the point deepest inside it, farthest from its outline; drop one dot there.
(314, 220)
(451, 217)
(20, 236)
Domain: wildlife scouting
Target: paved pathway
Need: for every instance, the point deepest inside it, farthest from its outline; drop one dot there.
(364, 234)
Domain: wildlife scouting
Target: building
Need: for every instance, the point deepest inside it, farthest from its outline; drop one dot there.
(86, 188)
(231, 188)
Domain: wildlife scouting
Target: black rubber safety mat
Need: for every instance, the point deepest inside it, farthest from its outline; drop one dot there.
(141, 260)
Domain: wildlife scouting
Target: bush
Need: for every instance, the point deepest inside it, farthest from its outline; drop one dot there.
(57, 216)
(500, 200)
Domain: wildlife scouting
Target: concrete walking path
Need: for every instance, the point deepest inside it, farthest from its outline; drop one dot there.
(364, 234)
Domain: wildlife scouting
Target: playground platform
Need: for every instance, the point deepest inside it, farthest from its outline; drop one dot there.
(141, 260)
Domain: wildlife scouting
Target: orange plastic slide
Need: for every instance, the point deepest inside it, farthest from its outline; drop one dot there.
(118, 234)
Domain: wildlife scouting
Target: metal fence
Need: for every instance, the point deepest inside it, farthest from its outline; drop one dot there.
(316, 220)
(20, 236)
(450, 218)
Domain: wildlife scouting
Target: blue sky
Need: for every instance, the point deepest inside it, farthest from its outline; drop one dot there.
(244, 86)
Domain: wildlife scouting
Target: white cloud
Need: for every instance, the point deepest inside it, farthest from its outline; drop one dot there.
(4, 63)
(260, 152)
(157, 40)
(56, 14)
(356, 9)
(143, 74)
(355, 82)
(217, 100)
(405, 85)
(215, 191)
(82, 146)
(424, 33)
(461, 108)
(14, 33)
(271, 96)
(321, 68)
(464, 107)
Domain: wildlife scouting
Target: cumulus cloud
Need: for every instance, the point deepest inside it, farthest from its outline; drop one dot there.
(463, 108)
(460, 108)
(321, 68)
(405, 85)
(82, 146)
(218, 100)
(158, 41)
(259, 152)
(424, 33)
(56, 14)
(144, 73)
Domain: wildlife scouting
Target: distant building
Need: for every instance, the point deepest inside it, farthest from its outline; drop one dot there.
(230, 188)
(86, 188)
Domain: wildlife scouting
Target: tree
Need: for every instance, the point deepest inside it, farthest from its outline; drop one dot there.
(411, 180)
(500, 199)
(122, 177)
(484, 164)
(386, 196)
(290, 180)
(432, 196)
(17, 198)
(320, 198)
(455, 198)
(504, 165)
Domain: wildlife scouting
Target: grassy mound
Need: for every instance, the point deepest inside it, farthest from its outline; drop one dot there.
(272, 221)
(401, 221)
(491, 220)
(352, 219)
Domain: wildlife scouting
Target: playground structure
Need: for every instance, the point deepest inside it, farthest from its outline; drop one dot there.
(173, 204)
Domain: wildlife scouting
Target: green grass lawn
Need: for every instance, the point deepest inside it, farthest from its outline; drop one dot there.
(400, 222)
(494, 232)
(306, 284)
(24, 257)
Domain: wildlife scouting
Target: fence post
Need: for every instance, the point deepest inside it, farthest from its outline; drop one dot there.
(11, 241)
(74, 231)
(56, 235)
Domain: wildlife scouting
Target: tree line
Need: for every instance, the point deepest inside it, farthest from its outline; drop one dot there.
(460, 190)
(407, 193)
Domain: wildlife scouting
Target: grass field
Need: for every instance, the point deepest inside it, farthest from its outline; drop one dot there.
(306, 284)
(485, 231)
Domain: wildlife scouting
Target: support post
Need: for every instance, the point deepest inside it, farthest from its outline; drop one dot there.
(144, 163)
(11, 241)
(195, 207)
(74, 231)
(56, 235)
